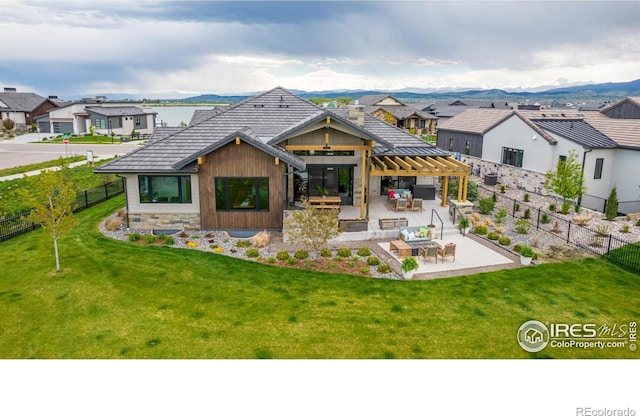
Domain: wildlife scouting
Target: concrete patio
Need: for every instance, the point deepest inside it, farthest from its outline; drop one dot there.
(473, 254)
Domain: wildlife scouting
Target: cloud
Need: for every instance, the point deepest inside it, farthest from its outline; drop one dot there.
(216, 46)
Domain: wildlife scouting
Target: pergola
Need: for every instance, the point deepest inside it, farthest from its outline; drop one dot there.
(444, 166)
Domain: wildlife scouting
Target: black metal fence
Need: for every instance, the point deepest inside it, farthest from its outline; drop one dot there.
(17, 224)
(598, 241)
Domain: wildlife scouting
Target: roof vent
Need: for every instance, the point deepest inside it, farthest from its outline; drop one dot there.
(10, 89)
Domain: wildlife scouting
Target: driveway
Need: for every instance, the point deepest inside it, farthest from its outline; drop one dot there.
(19, 151)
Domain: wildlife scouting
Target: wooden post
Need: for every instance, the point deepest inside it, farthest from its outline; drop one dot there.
(445, 190)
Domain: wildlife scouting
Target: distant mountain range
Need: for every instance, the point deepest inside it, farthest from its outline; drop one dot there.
(593, 93)
(609, 91)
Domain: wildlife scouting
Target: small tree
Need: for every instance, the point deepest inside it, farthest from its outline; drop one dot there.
(8, 124)
(316, 226)
(567, 180)
(611, 211)
(52, 199)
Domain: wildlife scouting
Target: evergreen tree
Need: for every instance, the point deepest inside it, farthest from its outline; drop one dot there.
(611, 211)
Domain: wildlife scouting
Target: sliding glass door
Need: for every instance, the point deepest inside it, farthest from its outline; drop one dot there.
(336, 180)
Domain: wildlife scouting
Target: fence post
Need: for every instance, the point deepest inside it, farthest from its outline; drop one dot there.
(568, 231)
(538, 220)
(609, 245)
(514, 207)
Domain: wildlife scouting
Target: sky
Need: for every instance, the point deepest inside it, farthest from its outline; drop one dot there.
(173, 49)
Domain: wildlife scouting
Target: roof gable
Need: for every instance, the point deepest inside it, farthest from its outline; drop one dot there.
(577, 131)
(21, 101)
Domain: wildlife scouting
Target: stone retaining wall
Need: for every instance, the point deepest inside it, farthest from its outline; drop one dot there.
(165, 221)
(510, 176)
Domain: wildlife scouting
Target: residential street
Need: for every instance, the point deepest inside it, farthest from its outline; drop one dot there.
(18, 152)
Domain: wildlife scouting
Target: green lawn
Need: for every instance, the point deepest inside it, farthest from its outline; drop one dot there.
(119, 300)
(37, 166)
(87, 140)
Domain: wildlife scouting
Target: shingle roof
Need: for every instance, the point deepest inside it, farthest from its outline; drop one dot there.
(163, 132)
(118, 111)
(632, 100)
(401, 112)
(475, 120)
(21, 101)
(201, 115)
(373, 99)
(262, 121)
(577, 131)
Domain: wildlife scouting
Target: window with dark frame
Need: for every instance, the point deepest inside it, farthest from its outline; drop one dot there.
(164, 189)
(137, 121)
(512, 157)
(597, 174)
(242, 193)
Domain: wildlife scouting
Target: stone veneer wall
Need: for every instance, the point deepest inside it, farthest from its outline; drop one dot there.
(510, 176)
(164, 221)
(288, 226)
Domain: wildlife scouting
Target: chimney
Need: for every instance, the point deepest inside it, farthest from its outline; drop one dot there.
(355, 114)
(10, 89)
(53, 97)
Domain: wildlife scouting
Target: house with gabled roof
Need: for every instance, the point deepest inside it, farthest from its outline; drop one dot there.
(243, 167)
(520, 146)
(107, 117)
(393, 111)
(24, 107)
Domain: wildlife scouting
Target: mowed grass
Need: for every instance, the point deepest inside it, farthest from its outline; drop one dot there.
(120, 300)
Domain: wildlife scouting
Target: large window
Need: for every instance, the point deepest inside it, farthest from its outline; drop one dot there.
(512, 157)
(165, 189)
(242, 194)
(598, 172)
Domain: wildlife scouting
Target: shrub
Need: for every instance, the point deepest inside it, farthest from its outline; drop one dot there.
(364, 252)
(625, 228)
(552, 207)
(602, 230)
(352, 264)
(522, 227)
(213, 246)
(183, 235)
(502, 189)
(526, 197)
(325, 252)
(291, 260)
(271, 260)
(134, 237)
(384, 268)
(113, 224)
(486, 205)
(504, 241)
(611, 210)
(527, 214)
(500, 230)
(373, 261)
(493, 236)
(516, 207)
(243, 244)
(282, 255)
(526, 251)
(517, 248)
(638, 223)
(168, 240)
(364, 270)
(252, 252)
(149, 239)
(501, 215)
(301, 254)
(344, 252)
(339, 258)
(566, 206)
(545, 219)
(480, 230)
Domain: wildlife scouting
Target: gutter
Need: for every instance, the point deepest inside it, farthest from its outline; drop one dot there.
(584, 159)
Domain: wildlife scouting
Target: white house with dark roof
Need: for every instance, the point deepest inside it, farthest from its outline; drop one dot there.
(241, 168)
(407, 117)
(24, 107)
(520, 146)
(120, 118)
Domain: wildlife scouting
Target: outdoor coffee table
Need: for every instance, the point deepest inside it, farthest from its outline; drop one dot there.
(403, 249)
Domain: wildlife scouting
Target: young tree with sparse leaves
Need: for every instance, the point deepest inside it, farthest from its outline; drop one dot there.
(567, 180)
(53, 200)
(315, 226)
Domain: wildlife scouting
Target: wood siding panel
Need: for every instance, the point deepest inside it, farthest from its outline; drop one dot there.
(626, 111)
(241, 160)
(459, 142)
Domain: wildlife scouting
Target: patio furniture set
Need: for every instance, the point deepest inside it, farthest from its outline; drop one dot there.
(424, 249)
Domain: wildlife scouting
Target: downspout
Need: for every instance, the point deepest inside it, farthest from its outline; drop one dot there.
(584, 159)
(126, 198)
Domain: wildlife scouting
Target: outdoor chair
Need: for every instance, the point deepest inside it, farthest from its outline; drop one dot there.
(401, 204)
(416, 204)
(429, 251)
(448, 251)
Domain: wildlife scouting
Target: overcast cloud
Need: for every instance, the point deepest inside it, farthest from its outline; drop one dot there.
(163, 49)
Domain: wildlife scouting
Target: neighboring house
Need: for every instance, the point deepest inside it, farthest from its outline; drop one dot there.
(520, 146)
(243, 168)
(120, 118)
(24, 107)
(396, 113)
(447, 109)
